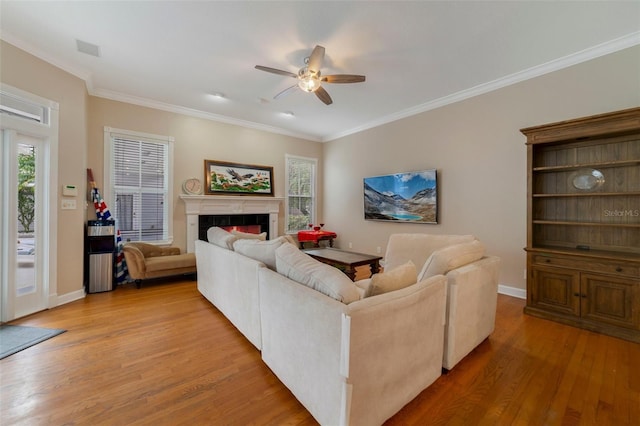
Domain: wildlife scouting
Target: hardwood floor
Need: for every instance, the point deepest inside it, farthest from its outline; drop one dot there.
(163, 355)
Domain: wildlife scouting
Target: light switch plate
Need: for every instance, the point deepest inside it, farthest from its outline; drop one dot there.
(68, 204)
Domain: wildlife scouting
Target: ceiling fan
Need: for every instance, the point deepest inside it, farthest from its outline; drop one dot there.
(310, 78)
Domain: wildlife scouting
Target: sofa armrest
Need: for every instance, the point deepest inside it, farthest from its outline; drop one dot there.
(472, 292)
(135, 262)
(365, 360)
(301, 339)
(395, 348)
(229, 280)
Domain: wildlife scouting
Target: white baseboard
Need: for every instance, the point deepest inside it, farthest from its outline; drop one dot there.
(512, 291)
(69, 297)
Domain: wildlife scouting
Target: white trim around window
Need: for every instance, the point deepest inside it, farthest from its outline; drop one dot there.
(312, 214)
(110, 134)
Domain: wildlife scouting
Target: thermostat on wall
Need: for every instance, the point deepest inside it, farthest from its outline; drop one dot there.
(69, 191)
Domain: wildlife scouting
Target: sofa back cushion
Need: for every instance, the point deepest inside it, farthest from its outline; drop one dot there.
(262, 251)
(417, 247)
(302, 268)
(248, 235)
(146, 249)
(399, 277)
(220, 237)
(451, 257)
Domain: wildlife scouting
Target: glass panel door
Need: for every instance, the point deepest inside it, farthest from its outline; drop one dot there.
(21, 204)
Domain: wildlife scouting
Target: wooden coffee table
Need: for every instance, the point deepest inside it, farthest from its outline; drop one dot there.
(346, 261)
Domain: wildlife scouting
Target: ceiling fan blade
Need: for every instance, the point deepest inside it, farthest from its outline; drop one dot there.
(316, 59)
(276, 71)
(323, 95)
(285, 92)
(343, 78)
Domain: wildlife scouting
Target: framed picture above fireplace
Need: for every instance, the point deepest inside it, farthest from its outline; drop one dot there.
(241, 179)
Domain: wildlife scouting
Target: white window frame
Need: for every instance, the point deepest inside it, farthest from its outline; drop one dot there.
(108, 194)
(314, 186)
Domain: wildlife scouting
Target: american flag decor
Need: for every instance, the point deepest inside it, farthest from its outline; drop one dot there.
(122, 272)
(102, 211)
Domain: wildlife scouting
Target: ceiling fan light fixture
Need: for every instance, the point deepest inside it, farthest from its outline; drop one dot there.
(307, 81)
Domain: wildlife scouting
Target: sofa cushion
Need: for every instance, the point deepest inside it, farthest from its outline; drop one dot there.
(262, 251)
(290, 239)
(220, 237)
(399, 277)
(248, 235)
(167, 263)
(151, 250)
(302, 268)
(418, 247)
(448, 258)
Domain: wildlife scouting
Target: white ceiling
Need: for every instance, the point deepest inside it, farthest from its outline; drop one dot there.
(416, 55)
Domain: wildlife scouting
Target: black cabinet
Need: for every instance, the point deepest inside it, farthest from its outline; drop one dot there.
(100, 248)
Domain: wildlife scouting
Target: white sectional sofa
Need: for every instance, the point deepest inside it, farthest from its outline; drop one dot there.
(472, 284)
(356, 363)
(230, 281)
(349, 359)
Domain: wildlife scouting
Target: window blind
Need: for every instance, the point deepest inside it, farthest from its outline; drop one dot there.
(140, 185)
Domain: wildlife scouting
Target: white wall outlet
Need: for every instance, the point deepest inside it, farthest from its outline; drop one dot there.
(68, 204)
(350, 244)
(378, 250)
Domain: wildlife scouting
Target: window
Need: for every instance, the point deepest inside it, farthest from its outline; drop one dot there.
(301, 192)
(17, 106)
(138, 181)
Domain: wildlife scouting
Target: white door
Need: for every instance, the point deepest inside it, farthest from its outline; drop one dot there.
(28, 202)
(22, 224)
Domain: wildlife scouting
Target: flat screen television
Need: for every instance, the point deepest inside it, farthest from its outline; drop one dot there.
(402, 197)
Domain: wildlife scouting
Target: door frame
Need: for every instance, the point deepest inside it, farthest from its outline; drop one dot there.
(47, 131)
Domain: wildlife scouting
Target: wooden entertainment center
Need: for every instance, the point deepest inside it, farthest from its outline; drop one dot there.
(583, 223)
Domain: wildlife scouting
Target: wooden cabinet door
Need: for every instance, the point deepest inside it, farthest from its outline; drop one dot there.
(556, 290)
(611, 300)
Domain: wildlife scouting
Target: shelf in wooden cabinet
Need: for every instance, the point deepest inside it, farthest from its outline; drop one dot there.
(603, 254)
(574, 223)
(594, 165)
(587, 194)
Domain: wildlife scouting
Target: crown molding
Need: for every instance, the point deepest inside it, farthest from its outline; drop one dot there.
(40, 54)
(150, 103)
(588, 54)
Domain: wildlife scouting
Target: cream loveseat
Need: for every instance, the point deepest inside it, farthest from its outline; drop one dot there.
(349, 360)
(472, 284)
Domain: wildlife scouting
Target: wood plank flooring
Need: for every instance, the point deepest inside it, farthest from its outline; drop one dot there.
(163, 355)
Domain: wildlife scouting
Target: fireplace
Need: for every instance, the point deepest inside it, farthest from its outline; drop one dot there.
(229, 210)
(252, 223)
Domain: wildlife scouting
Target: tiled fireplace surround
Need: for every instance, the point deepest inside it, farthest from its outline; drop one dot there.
(229, 210)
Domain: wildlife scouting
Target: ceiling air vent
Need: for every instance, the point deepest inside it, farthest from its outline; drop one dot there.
(88, 48)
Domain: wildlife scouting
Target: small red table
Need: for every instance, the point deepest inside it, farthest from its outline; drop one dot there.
(315, 237)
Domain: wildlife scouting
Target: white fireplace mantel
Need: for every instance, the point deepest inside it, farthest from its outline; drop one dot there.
(196, 205)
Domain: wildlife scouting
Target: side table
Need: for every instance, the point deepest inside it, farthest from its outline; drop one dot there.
(315, 237)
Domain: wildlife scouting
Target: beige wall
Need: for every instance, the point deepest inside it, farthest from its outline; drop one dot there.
(81, 134)
(26, 72)
(479, 153)
(474, 144)
(196, 140)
